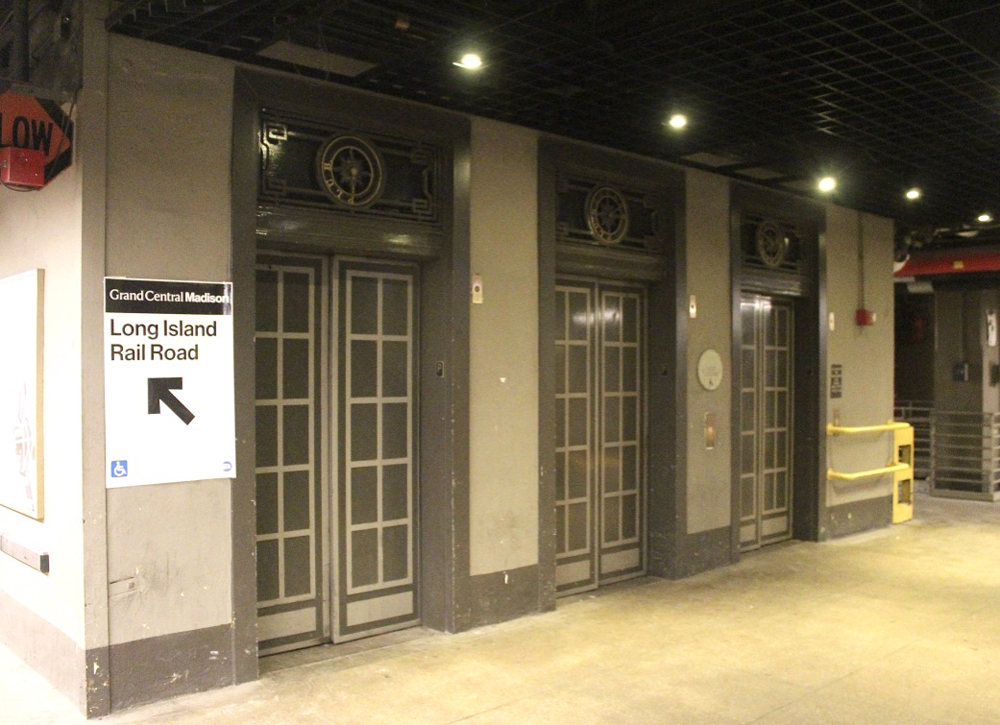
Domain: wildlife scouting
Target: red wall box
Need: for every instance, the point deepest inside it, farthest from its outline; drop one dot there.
(22, 167)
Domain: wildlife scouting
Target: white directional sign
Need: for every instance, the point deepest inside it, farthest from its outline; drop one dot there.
(168, 381)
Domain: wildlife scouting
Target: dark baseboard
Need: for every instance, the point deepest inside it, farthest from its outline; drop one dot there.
(858, 516)
(702, 551)
(153, 669)
(502, 595)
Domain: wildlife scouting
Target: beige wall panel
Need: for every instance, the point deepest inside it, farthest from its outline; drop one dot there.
(169, 147)
(866, 353)
(169, 549)
(504, 349)
(709, 471)
(169, 546)
(42, 230)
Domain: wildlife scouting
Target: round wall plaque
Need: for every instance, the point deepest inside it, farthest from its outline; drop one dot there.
(710, 369)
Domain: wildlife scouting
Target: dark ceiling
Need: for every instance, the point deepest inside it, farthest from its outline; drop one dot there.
(883, 94)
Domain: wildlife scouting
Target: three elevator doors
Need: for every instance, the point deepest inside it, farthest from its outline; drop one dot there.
(336, 460)
(600, 433)
(766, 425)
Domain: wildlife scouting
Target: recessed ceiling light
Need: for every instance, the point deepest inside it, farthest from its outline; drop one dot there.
(826, 184)
(677, 121)
(470, 61)
(985, 218)
(914, 193)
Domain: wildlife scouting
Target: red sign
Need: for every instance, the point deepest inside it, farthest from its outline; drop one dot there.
(37, 124)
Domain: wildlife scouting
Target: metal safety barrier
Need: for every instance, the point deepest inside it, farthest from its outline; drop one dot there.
(900, 464)
(918, 414)
(867, 474)
(965, 455)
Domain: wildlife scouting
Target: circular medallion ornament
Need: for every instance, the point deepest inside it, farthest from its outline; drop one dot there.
(771, 242)
(710, 369)
(607, 215)
(350, 171)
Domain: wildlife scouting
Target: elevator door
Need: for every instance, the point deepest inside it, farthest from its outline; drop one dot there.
(291, 586)
(766, 407)
(600, 432)
(336, 485)
(376, 418)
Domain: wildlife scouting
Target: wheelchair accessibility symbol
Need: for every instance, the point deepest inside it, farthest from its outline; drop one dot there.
(119, 469)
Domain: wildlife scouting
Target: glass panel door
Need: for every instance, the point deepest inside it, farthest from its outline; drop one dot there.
(600, 451)
(376, 490)
(766, 391)
(288, 350)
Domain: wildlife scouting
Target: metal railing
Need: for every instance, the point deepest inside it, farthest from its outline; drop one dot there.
(894, 468)
(894, 465)
(918, 414)
(899, 466)
(965, 455)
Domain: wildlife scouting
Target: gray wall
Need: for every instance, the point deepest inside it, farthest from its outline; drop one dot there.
(503, 349)
(866, 353)
(43, 230)
(960, 337)
(169, 147)
(709, 490)
(169, 546)
(55, 621)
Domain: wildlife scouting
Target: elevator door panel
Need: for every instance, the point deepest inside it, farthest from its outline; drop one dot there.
(290, 581)
(336, 450)
(600, 451)
(376, 491)
(766, 407)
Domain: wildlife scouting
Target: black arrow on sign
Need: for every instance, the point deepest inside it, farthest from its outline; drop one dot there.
(159, 390)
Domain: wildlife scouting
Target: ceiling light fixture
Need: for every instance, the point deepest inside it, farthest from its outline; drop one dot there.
(677, 121)
(985, 218)
(826, 184)
(470, 61)
(914, 193)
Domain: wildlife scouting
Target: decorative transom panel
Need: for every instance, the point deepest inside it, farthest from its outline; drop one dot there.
(596, 212)
(306, 163)
(772, 244)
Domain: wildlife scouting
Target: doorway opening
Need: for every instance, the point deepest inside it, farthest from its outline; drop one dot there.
(336, 468)
(600, 433)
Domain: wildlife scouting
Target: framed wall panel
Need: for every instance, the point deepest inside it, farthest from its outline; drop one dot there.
(21, 469)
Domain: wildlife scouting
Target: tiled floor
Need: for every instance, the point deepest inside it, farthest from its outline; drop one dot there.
(901, 625)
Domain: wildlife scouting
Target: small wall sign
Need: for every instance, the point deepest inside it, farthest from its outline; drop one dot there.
(710, 369)
(836, 381)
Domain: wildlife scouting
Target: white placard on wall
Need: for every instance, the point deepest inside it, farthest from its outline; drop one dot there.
(168, 381)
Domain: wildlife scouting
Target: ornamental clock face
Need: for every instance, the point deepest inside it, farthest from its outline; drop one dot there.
(607, 215)
(350, 171)
(771, 243)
